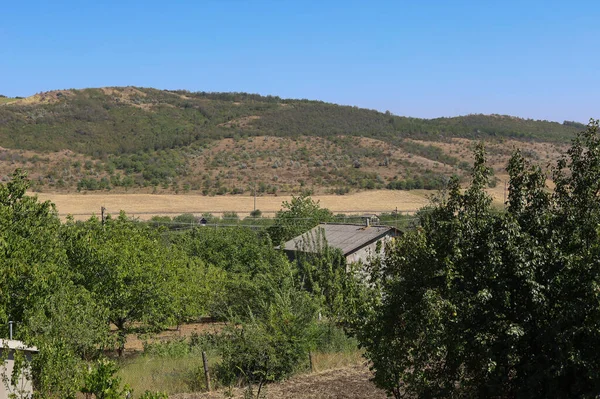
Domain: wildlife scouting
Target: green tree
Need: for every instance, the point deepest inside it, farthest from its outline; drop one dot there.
(32, 258)
(299, 215)
(272, 344)
(479, 303)
(244, 267)
(37, 292)
(239, 250)
(59, 316)
(324, 273)
(127, 268)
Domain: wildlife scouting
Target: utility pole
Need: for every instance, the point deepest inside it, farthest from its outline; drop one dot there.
(102, 209)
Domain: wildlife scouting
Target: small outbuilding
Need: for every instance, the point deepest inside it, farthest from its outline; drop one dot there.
(357, 242)
(23, 387)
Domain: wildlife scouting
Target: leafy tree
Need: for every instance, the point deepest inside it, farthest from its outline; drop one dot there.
(36, 291)
(244, 267)
(323, 272)
(478, 303)
(58, 316)
(127, 269)
(195, 288)
(32, 258)
(184, 220)
(299, 215)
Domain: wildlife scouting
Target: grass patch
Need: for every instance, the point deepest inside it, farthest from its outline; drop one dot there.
(175, 366)
(170, 375)
(336, 360)
(185, 374)
(6, 100)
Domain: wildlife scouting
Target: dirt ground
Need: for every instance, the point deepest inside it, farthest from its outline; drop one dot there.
(136, 344)
(347, 383)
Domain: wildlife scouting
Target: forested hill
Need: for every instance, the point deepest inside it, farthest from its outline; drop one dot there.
(130, 120)
(128, 138)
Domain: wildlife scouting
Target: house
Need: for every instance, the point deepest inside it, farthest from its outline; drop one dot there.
(23, 387)
(357, 242)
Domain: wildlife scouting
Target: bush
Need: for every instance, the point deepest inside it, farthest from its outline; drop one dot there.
(101, 381)
(272, 346)
(231, 216)
(330, 338)
(256, 213)
(173, 349)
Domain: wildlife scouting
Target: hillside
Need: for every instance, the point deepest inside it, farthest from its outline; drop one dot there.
(217, 143)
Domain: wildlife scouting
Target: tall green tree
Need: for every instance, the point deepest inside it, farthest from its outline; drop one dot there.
(243, 270)
(32, 258)
(37, 293)
(487, 304)
(297, 216)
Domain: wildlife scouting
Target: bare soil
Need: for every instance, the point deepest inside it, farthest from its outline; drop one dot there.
(136, 344)
(347, 383)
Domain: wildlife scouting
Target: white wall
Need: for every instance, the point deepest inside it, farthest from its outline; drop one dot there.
(23, 388)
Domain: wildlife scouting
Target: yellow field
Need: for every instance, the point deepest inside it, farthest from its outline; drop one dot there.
(144, 206)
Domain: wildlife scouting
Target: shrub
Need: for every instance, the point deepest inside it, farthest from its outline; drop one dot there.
(174, 349)
(256, 213)
(272, 345)
(330, 338)
(102, 382)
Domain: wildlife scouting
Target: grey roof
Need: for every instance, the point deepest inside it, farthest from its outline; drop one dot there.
(347, 237)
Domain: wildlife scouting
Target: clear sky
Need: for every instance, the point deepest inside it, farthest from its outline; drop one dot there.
(534, 59)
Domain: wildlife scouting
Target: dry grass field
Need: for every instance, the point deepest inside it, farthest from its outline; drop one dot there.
(144, 206)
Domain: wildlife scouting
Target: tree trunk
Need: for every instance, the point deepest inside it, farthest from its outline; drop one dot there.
(122, 337)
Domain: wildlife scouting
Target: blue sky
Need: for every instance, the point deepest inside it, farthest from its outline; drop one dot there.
(534, 59)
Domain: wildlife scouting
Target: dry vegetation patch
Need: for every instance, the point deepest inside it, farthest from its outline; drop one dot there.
(145, 206)
(48, 97)
(345, 383)
(135, 343)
